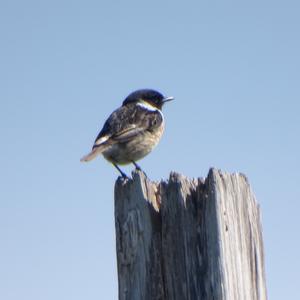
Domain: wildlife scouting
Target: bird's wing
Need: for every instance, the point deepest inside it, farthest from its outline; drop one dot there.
(127, 133)
(127, 122)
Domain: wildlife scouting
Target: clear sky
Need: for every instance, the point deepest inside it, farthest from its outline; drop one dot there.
(234, 68)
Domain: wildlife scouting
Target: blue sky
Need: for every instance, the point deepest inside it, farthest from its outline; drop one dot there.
(65, 65)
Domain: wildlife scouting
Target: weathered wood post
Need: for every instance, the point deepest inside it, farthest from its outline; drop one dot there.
(189, 239)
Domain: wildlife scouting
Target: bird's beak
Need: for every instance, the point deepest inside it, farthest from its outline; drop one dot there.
(167, 99)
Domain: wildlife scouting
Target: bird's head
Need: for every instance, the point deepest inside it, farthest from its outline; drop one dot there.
(149, 96)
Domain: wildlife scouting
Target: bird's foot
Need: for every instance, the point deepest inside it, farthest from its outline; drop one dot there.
(137, 167)
(121, 172)
(124, 176)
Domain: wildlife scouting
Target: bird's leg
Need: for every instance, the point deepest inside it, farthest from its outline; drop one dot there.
(136, 165)
(122, 173)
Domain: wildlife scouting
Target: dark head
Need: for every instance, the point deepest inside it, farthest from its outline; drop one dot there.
(152, 97)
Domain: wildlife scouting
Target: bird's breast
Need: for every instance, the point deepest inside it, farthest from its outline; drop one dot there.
(136, 148)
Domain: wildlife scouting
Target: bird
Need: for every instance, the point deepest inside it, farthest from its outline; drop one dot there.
(132, 130)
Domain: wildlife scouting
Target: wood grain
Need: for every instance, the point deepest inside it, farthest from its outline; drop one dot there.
(189, 238)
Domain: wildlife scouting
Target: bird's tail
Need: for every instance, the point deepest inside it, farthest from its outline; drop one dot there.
(95, 152)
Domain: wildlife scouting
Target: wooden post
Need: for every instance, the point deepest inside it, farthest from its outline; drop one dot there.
(189, 239)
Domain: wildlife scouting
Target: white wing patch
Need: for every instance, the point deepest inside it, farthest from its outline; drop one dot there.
(101, 140)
